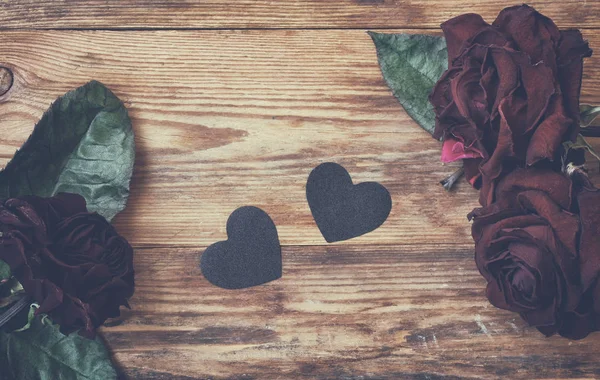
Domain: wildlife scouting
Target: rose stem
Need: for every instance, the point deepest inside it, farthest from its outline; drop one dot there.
(14, 310)
(591, 131)
(449, 181)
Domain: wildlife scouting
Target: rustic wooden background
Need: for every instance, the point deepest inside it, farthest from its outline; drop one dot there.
(233, 104)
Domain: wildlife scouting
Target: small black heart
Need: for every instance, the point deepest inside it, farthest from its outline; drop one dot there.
(341, 209)
(250, 256)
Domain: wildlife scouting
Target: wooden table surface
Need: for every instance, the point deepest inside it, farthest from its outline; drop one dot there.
(233, 103)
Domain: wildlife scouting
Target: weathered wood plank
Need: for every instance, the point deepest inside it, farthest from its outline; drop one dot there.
(223, 14)
(225, 119)
(352, 312)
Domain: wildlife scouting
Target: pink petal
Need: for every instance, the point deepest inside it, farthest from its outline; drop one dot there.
(453, 150)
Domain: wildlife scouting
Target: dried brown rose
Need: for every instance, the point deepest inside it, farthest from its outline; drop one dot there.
(538, 246)
(510, 96)
(71, 262)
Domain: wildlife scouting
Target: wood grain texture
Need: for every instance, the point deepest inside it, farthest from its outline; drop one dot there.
(266, 14)
(225, 119)
(231, 118)
(338, 312)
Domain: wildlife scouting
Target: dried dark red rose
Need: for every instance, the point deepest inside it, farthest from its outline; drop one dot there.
(71, 262)
(510, 96)
(586, 317)
(538, 247)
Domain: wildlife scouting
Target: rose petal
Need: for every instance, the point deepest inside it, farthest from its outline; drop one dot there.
(555, 184)
(459, 29)
(468, 93)
(589, 243)
(550, 134)
(532, 32)
(472, 173)
(541, 317)
(571, 51)
(492, 168)
(503, 78)
(565, 225)
(453, 150)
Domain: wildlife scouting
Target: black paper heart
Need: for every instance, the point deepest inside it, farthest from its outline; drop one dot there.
(341, 209)
(250, 256)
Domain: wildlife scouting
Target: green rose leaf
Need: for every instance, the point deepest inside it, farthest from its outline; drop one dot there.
(83, 144)
(30, 317)
(4, 271)
(588, 114)
(10, 291)
(411, 65)
(580, 143)
(42, 352)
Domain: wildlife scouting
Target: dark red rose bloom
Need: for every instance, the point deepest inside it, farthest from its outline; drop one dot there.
(510, 96)
(538, 247)
(71, 262)
(586, 317)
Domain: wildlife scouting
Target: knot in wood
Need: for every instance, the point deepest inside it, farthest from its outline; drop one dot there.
(6, 80)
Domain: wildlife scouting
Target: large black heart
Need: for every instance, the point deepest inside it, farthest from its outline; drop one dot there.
(250, 256)
(341, 209)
